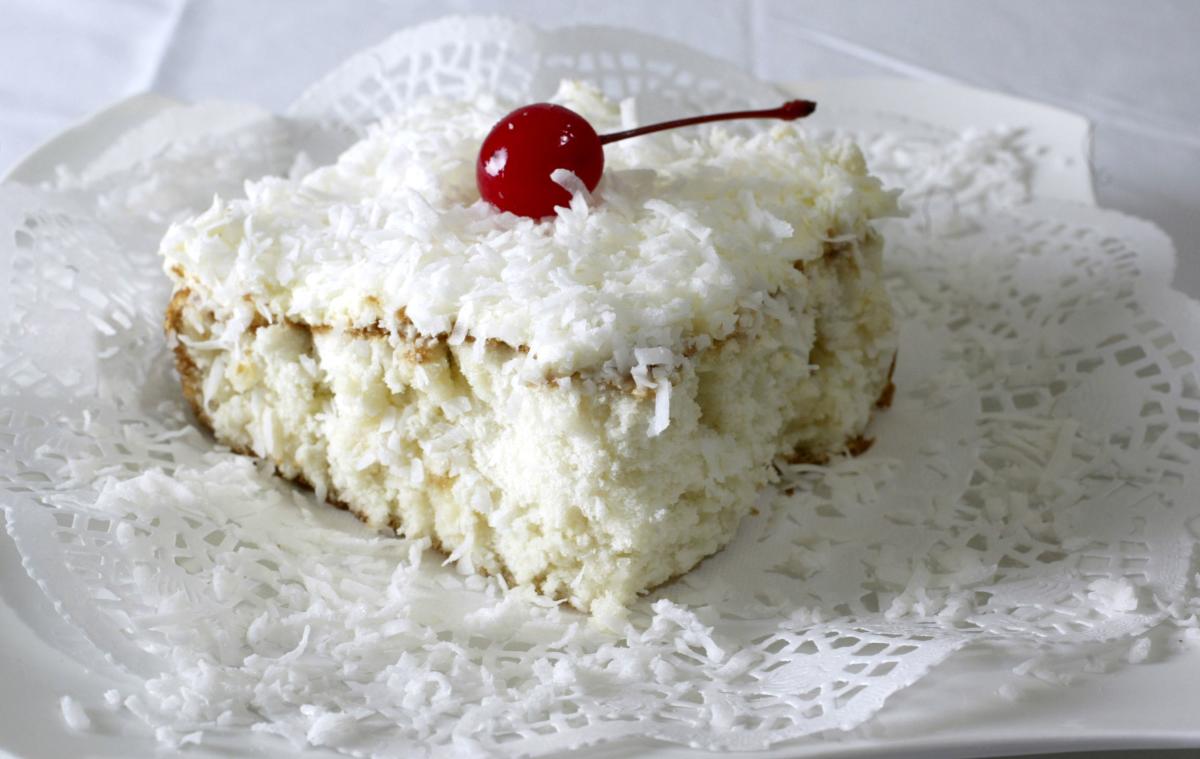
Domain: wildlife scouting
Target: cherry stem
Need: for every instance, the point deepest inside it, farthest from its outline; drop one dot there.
(789, 111)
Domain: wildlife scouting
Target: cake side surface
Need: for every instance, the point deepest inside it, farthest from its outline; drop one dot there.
(555, 484)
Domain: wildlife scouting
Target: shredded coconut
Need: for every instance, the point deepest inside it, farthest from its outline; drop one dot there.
(1139, 651)
(396, 226)
(74, 715)
(1113, 596)
(112, 697)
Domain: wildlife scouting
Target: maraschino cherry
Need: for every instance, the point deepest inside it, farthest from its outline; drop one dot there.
(527, 145)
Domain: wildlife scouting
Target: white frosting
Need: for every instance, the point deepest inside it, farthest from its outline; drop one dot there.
(688, 232)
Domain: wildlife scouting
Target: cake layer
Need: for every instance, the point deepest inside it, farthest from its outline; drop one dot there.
(550, 481)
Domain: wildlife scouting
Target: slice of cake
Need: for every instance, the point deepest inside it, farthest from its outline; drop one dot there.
(587, 403)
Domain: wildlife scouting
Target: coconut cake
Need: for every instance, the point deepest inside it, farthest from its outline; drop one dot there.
(586, 403)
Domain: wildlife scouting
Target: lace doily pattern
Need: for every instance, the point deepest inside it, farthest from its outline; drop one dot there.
(462, 56)
(1028, 488)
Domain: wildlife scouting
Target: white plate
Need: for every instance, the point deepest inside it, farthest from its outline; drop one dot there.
(955, 712)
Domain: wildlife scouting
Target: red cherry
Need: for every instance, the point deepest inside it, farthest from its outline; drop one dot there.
(526, 146)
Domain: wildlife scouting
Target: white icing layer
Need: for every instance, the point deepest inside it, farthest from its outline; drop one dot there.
(687, 233)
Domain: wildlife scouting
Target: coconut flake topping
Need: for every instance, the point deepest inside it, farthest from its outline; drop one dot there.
(686, 232)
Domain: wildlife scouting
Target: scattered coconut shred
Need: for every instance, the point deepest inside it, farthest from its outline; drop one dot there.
(73, 714)
(272, 613)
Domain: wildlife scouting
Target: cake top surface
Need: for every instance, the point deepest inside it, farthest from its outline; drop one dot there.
(687, 232)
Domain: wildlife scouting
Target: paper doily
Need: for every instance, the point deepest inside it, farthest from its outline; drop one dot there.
(1029, 488)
